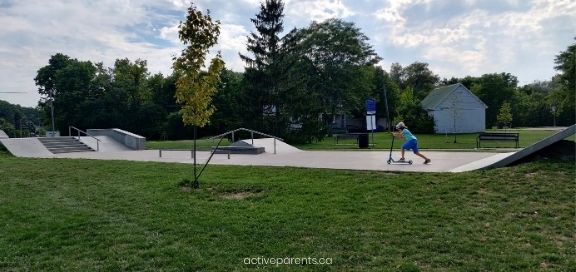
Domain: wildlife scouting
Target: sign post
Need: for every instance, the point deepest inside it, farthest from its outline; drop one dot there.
(371, 116)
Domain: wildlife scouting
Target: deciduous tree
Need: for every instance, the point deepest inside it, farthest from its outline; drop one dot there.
(195, 87)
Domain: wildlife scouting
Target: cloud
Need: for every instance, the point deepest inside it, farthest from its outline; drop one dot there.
(316, 10)
(394, 12)
(34, 30)
(477, 39)
(457, 38)
(232, 40)
(170, 33)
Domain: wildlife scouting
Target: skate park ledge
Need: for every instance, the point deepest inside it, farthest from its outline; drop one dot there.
(131, 140)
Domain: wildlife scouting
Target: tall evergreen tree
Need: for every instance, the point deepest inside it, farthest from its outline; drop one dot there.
(262, 68)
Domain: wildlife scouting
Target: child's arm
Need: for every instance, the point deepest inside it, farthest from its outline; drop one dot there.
(398, 134)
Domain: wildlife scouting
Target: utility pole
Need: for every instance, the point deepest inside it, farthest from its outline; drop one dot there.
(388, 121)
(52, 114)
(553, 108)
(454, 105)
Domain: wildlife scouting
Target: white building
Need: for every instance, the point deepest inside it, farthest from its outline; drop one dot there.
(455, 109)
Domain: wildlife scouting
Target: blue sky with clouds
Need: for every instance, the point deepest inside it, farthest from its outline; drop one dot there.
(456, 37)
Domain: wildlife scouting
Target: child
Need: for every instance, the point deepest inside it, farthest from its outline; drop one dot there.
(411, 142)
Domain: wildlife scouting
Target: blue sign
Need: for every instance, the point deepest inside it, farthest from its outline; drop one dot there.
(370, 106)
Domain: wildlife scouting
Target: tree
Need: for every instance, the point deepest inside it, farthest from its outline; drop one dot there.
(46, 76)
(15, 118)
(505, 115)
(334, 65)
(387, 92)
(416, 76)
(409, 111)
(45, 80)
(195, 87)
(7, 127)
(420, 78)
(131, 77)
(262, 69)
(565, 94)
(74, 84)
(493, 90)
(227, 101)
(532, 104)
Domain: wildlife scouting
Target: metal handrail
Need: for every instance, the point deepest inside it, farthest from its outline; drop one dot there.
(251, 135)
(86, 133)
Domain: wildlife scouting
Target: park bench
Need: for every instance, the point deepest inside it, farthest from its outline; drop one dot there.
(491, 136)
(356, 136)
(340, 137)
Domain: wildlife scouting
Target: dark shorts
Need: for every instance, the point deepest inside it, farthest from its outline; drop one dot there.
(411, 145)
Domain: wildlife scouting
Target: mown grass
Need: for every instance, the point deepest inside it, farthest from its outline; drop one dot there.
(382, 140)
(201, 144)
(85, 215)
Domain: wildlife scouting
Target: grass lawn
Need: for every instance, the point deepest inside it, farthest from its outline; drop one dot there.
(116, 215)
(201, 144)
(382, 140)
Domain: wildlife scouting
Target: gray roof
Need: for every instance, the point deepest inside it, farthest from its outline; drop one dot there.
(438, 95)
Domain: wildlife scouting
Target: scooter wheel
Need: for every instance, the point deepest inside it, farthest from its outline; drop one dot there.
(410, 162)
(389, 161)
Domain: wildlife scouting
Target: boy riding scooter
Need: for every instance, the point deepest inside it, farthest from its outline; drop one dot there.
(411, 142)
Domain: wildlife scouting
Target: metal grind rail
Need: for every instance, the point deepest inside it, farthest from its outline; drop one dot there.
(70, 128)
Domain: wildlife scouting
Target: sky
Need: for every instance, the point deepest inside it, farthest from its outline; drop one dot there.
(455, 37)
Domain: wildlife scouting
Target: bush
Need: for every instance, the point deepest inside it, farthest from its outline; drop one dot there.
(8, 128)
(417, 120)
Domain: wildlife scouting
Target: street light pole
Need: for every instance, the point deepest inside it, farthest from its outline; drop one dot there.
(52, 114)
(554, 114)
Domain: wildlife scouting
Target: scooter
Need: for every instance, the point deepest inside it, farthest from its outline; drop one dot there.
(391, 160)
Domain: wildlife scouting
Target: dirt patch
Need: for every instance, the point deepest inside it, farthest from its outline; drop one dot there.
(240, 195)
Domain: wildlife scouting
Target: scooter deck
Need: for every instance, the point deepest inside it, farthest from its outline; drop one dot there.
(392, 161)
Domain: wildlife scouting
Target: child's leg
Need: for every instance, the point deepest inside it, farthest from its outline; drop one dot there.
(417, 152)
(402, 158)
(426, 159)
(421, 155)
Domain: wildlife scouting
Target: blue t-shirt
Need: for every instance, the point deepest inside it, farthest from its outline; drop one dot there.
(408, 135)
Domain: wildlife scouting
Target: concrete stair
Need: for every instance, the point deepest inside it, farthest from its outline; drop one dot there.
(58, 145)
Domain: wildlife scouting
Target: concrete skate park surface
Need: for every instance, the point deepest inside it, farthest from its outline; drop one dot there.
(352, 160)
(289, 156)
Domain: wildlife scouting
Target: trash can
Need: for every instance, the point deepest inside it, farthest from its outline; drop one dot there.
(363, 140)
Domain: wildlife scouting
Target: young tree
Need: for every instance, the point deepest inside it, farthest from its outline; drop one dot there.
(195, 87)
(505, 115)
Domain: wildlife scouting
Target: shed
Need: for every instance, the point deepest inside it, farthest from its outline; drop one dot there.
(455, 109)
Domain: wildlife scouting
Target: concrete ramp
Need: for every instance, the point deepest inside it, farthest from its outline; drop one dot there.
(26, 147)
(3, 135)
(268, 144)
(504, 159)
(105, 144)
